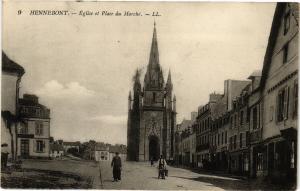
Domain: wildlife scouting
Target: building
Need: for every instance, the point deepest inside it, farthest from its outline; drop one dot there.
(56, 150)
(34, 131)
(121, 149)
(221, 140)
(11, 78)
(279, 86)
(239, 140)
(151, 113)
(102, 152)
(255, 109)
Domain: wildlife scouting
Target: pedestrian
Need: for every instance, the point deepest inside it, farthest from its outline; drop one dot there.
(162, 164)
(4, 155)
(116, 164)
(152, 161)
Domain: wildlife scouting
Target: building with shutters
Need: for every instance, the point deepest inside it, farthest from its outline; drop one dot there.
(279, 87)
(34, 131)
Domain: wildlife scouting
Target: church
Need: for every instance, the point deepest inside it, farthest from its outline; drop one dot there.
(151, 113)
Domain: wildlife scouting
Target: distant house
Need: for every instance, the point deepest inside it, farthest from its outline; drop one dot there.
(56, 150)
(102, 152)
(121, 149)
(68, 145)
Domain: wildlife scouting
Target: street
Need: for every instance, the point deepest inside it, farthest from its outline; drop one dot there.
(141, 176)
(70, 173)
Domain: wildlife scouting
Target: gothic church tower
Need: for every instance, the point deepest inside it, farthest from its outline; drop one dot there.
(151, 113)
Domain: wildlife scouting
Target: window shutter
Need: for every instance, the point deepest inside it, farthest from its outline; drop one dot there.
(277, 107)
(286, 103)
(34, 145)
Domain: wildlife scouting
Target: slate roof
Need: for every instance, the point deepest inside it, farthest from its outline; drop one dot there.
(10, 66)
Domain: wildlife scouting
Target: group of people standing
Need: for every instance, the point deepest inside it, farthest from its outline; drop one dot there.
(116, 164)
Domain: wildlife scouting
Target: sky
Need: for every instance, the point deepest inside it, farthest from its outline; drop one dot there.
(81, 67)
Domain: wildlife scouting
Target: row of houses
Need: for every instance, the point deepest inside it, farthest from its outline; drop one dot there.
(251, 128)
(25, 123)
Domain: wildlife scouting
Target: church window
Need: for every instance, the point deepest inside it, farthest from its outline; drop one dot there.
(154, 96)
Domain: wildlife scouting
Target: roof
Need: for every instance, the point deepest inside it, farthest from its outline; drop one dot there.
(117, 148)
(101, 147)
(279, 11)
(71, 143)
(25, 102)
(255, 73)
(56, 147)
(10, 66)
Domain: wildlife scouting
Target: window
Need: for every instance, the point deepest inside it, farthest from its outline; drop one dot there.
(271, 113)
(24, 128)
(254, 118)
(218, 139)
(248, 115)
(222, 138)
(230, 143)
(235, 120)
(259, 161)
(39, 128)
(225, 137)
(285, 53)
(154, 96)
(242, 118)
(295, 109)
(286, 22)
(247, 138)
(40, 145)
(241, 140)
(282, 104)
(234, 142)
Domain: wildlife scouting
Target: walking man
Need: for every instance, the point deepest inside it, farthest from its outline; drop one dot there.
(116, 164)
(161, 167)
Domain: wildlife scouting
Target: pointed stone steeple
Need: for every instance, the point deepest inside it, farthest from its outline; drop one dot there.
(136, 81)
(154, 76)
(154, 56)
(169, 85)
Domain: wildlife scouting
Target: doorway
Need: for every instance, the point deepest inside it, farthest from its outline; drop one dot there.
(24, 148)
(154, 149)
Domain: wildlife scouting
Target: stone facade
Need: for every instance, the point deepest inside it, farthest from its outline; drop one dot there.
(151, 113)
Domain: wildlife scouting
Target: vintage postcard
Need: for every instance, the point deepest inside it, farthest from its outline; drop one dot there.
(149, 95)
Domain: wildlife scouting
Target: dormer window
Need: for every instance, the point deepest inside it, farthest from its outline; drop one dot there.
(286, 22)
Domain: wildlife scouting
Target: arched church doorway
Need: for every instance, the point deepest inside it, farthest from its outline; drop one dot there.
(153, 147)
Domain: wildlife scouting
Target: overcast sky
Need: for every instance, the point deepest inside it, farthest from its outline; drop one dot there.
(82, 67)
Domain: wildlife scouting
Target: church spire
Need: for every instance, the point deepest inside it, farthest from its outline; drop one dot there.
(154, 56)
(154, 76)
(169, 81)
